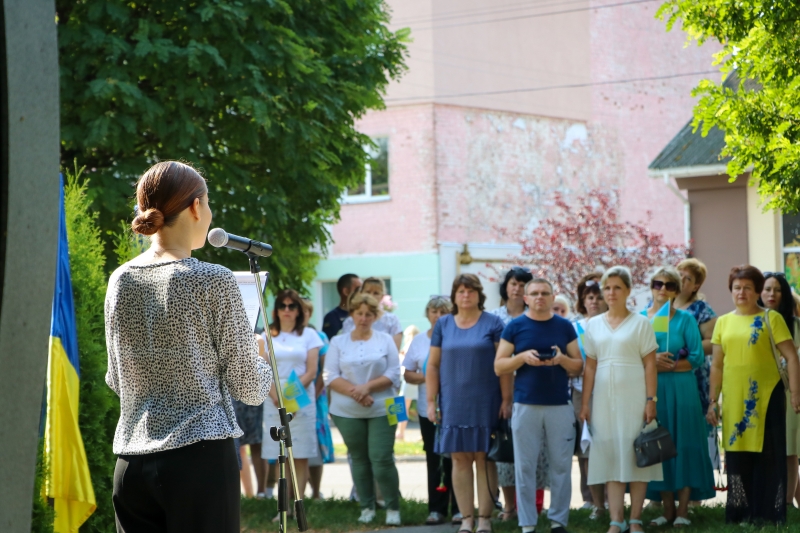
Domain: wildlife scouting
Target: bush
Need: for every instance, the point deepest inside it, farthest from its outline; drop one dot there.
(99, 406)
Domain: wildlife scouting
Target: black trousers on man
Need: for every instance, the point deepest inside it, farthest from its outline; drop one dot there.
(190, 489)
(438, 501)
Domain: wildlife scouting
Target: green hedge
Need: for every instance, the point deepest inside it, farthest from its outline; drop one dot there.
(99, 406)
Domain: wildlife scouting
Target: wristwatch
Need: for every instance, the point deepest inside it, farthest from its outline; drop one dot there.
(653, 399)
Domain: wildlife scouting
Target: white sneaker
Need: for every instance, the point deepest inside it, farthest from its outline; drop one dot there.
(393, 518)
(367, 516)
(587, 505)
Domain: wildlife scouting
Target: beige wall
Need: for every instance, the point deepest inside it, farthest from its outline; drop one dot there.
(462, 47)
(763, 234)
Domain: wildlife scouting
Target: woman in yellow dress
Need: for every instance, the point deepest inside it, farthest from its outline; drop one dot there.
(754, 402)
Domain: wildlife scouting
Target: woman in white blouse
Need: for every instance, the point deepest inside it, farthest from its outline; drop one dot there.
(296, 351)
(362, 369)
(387, 322)
(621, 371)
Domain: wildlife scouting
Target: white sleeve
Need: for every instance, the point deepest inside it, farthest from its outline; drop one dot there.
(392, 362)
(347, 326)
(395, 327)
(311, 339)
(411, 360)
(647, 338)
(331, 371)
(588, 342)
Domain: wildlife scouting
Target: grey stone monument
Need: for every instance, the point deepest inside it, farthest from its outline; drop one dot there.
(29, 166)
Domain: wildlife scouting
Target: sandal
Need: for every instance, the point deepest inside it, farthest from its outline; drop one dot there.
(623, 526)
(505, 516)
(490, 530)
(660, 521)
(681, 522)
(465, 530)
(639, 523)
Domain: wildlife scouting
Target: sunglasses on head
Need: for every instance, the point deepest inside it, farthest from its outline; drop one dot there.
(439, 297)
(521, 270)
(774, 275)
(591, 283)
(671, 286)
(290, 307)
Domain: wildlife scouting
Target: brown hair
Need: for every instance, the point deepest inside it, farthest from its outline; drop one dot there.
(584, 290)
(359, 299)
(301, 310)
(163, 192)
(469, 281)
(696, 268)
(747, 272)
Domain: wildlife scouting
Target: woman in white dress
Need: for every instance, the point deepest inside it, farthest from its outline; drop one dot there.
(621, 371)
(296, 350)
(387, 321)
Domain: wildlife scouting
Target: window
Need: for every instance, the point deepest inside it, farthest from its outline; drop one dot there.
(791, 249)
(376, 179)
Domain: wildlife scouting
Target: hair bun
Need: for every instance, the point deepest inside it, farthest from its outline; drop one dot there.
(148, 223)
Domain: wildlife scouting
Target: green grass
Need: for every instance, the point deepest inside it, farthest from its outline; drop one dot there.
(401, 447)
(340, 516)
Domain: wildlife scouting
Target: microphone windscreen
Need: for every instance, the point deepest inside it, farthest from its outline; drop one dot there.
(217, 237)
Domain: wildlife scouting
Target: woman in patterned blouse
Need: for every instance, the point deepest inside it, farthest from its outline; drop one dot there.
(180, 347)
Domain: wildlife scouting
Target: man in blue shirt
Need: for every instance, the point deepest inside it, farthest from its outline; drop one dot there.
(332, 323)
(547, 355)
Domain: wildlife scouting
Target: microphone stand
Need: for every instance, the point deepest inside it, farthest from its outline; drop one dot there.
(282, 434)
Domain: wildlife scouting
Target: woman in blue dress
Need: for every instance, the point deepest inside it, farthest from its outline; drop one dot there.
(460, 376)
(680, 352)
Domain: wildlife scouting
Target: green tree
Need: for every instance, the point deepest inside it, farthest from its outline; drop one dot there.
(262, 95)
(759, 107)
(98, 405)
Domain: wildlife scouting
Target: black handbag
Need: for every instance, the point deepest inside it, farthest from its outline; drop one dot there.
(654, 447)
(501, 449)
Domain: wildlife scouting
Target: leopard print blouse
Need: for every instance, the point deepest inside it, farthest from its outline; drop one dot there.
(179, 347)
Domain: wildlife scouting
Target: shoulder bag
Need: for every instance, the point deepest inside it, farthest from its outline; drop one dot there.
(654, 447)
(776, 354)
(501, 448)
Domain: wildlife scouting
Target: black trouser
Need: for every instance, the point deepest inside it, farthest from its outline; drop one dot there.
(190, 489)
(438, 502)
(757, 480)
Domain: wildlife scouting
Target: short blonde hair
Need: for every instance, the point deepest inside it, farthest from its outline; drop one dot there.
(620, 272)
(669, 272)
(360, 299)
(375, 281)
(696, 267)
(564, 300)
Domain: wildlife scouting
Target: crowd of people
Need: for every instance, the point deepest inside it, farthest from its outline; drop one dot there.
(548, 372)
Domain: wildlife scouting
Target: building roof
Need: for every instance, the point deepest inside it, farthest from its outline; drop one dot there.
(691, 149)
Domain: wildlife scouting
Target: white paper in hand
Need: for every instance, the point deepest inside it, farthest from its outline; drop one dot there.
(586, 437)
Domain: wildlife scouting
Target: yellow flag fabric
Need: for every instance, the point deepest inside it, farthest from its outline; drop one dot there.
(68, 482)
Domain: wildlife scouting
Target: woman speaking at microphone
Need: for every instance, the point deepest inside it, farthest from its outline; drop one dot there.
(179, 348)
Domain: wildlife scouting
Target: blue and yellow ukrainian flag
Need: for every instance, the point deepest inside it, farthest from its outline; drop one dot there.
(68, 480)
(661, 319)
(581, 334)
(396, 410)
(295, 396)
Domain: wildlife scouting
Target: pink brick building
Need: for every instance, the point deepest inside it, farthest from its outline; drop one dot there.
(504, 104)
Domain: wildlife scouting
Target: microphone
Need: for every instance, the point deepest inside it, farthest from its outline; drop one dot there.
(218, 237)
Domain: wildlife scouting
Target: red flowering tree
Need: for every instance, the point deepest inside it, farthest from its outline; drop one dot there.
(588, 235)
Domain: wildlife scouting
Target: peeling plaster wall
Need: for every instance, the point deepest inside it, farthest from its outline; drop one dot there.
(500, 169)
(628, 42)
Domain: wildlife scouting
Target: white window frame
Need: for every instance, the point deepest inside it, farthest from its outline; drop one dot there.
(366, 197)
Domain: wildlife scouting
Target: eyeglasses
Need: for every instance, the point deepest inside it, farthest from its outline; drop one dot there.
(521, 270)
(290, 307)
(439, 297)
(591, 283)
(543, 293)
(671, 286)
(774, 275)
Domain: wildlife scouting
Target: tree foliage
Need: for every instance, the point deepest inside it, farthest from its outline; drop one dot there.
(98, 405)
(587, 234)
(261, 95)
(760, 113)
